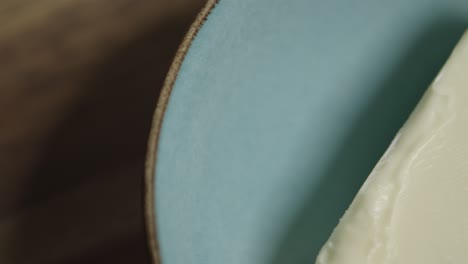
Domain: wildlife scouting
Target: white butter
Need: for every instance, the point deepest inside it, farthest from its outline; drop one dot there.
(413, 208)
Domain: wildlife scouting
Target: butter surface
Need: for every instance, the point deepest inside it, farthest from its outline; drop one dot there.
(413, 208)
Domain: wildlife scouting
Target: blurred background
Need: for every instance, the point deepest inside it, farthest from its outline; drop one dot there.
(79, 81)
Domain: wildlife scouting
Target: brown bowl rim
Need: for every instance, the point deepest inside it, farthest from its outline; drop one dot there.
(151, 155)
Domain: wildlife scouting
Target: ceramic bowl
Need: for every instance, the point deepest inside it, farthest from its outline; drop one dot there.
(274, 113)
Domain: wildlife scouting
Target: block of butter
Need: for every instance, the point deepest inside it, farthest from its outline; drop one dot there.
(413, 208)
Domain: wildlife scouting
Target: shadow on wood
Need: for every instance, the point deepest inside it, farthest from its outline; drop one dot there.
(91, 97)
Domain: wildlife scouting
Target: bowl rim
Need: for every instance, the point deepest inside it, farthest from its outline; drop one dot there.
(153, 140)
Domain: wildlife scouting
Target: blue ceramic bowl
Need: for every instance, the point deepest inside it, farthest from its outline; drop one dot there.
(275, 113)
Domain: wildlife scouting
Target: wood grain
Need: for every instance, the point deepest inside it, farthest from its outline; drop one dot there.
(78, 86)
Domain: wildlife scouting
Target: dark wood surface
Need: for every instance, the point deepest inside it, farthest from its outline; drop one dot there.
(79, 81)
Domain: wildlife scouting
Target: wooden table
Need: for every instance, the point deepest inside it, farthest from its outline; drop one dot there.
(79, 81)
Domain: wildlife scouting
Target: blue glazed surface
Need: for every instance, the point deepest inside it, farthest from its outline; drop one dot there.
(280, 111)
